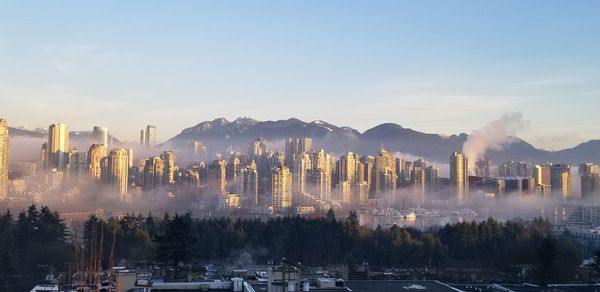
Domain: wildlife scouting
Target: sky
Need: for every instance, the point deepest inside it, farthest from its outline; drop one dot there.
(434, 66)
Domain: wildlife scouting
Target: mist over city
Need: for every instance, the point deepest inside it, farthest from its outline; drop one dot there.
(343, 146)
(215, 167)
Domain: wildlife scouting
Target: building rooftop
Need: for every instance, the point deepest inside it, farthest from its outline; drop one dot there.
(393, 286)
(263, 287)
(525, 287)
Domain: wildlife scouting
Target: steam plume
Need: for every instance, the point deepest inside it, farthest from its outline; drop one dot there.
(495, 135)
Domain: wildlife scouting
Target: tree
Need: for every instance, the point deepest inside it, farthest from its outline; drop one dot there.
(330, 215)
(353, 222)
(322, 241)
(547, 255)
(8, 257)
(150, 225)
(175, 246)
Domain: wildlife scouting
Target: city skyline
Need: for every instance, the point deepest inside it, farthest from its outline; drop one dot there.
(301, 177)
(281, 146)
(178, 64)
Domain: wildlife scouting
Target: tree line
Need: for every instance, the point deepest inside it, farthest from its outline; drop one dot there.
(39, 238)
(31, 245)
(488, 244)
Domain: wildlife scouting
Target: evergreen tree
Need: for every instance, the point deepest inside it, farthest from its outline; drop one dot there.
(547, 255)
(175, 246)
(330, 215)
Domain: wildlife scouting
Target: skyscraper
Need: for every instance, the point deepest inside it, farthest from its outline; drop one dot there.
(588, 168)
(77, 166)
(100, 136)
(515, 168)
(246, 184)
(348, 176)
(277, 160)
(58, 146)
(362, 194)
(459, 176)
(3, 159)
(590, 181)
(142, 138)
(190, 179)
(232, 166)
(321, 179)
(53, 179)
(130, 157)
(154, 170)
(195, 150)
(418, 178)
(295, 146)
(537, 174)
(541, 174)
(432, 179)
(318, 159)
(407, 166)
(483, 167)
(402, 173)
(217, 177)
(347, 168)
(281, 188)
(118, 173)
(590, 186)
(302, 165)
(150, 138)
(169, 160)
(320, 174)
(94, 158)
(369, 164)
(305, 145)
(386, 177)
(256, 148)
(44, 156)
(290, 150)
(560, 179)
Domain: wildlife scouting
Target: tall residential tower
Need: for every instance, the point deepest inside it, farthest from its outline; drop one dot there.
(100, 136)
(281, 189)
(150, 138)
(3, 159)
(94, 158)
(118, 173)
(459, 176)
(58, 146)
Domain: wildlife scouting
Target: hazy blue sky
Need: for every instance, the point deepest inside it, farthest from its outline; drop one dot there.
(435, 66)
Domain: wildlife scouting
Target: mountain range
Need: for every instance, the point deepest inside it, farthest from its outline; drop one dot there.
(221, 134)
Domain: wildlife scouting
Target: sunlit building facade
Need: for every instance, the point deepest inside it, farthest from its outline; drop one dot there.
(94, 156)
(118, 173)
(560, 180)
(459, 176)
(281, 189)
(386, 177)
(58, 146)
